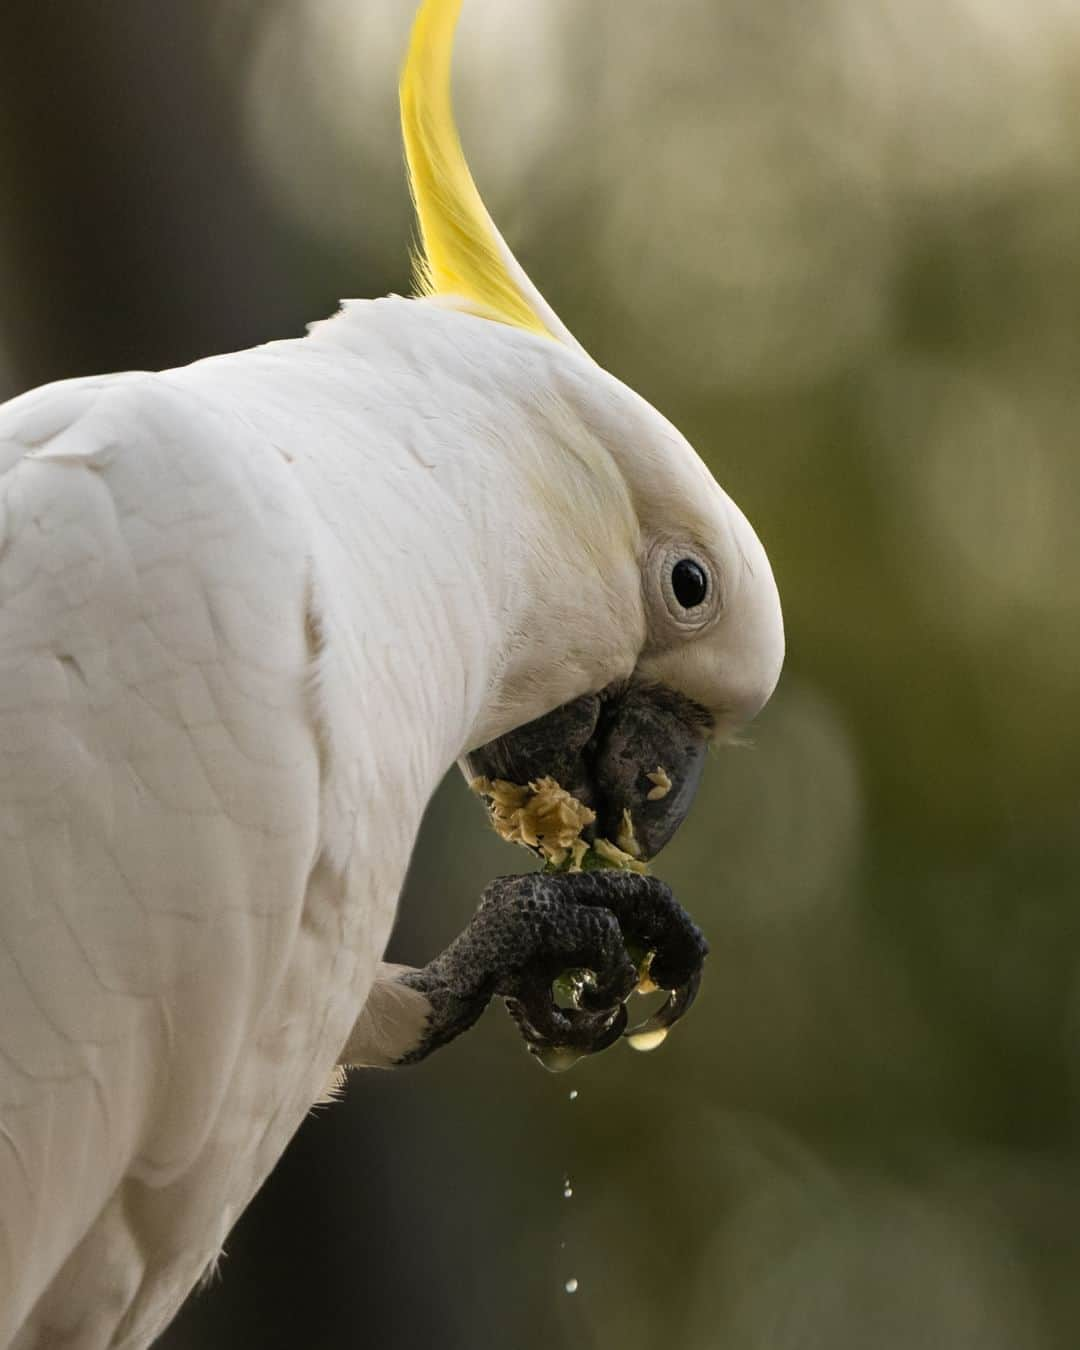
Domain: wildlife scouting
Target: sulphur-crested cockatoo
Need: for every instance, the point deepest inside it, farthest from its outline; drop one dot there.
(250, 613)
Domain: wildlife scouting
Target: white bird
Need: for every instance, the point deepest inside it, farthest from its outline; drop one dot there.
(251, 611)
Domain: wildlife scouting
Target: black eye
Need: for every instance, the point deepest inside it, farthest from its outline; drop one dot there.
(690, 583)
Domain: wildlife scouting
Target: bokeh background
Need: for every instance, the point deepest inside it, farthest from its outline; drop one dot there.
(838, 242)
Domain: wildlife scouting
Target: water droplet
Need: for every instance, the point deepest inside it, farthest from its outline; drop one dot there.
(568, 1191)
(573, 1095)
(647, 1040)
(571, 1286)
(557, 1058)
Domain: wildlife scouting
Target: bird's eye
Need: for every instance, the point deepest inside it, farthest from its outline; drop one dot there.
(690, 587)
(689, 583)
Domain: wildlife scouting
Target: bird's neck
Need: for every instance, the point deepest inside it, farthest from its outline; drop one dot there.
(501, 531)
(474, 548)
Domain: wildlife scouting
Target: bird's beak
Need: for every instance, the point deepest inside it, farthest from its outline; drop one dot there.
(634, 753)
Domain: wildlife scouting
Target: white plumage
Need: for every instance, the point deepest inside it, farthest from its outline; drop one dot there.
(250, 613)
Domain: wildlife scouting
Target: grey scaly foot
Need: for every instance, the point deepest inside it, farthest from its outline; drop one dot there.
(656, 927)
(530, 930)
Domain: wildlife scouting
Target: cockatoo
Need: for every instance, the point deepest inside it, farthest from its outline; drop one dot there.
(251, 611)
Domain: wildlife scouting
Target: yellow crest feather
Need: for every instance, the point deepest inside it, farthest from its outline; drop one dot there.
(462, 251)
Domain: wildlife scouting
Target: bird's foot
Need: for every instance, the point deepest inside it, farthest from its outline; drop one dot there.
(565, 951)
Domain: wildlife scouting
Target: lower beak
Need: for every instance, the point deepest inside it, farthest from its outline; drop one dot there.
(634, 754)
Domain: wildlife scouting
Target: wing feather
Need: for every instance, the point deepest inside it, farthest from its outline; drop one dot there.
(159, 781)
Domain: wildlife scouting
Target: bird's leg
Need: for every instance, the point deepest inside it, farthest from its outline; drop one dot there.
(392, 1025)
(529, 933)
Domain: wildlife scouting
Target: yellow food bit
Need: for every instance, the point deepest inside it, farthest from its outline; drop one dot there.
(503, 795)
(663, 784)
(578, 849)
(626, 839)
(646, 984)
(542, 816)
(617, 857)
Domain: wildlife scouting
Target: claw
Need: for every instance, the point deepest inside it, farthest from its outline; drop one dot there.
(559, 1058)
(563, 1037)
(654, 1030)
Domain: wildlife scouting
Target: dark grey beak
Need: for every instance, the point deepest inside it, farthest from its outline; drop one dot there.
(634, 748)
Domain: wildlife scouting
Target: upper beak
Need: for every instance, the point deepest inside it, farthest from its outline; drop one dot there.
(634, 754)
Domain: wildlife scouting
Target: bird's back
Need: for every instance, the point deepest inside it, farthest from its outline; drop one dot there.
(163, 921)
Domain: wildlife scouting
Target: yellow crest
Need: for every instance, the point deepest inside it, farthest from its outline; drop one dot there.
(463, 253)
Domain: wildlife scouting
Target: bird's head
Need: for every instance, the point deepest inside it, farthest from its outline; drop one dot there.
(695, 592)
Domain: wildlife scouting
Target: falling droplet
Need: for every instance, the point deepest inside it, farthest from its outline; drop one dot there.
(573, 1095)
(571, 1286)
(568, 1191)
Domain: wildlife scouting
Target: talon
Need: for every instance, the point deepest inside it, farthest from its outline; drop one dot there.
(558, 1057)
(565, 951)
(654, 1030)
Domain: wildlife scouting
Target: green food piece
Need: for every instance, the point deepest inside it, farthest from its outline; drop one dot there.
(568, 987)
(591, 862)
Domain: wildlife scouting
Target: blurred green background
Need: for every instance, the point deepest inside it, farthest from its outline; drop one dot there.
(838, 243)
